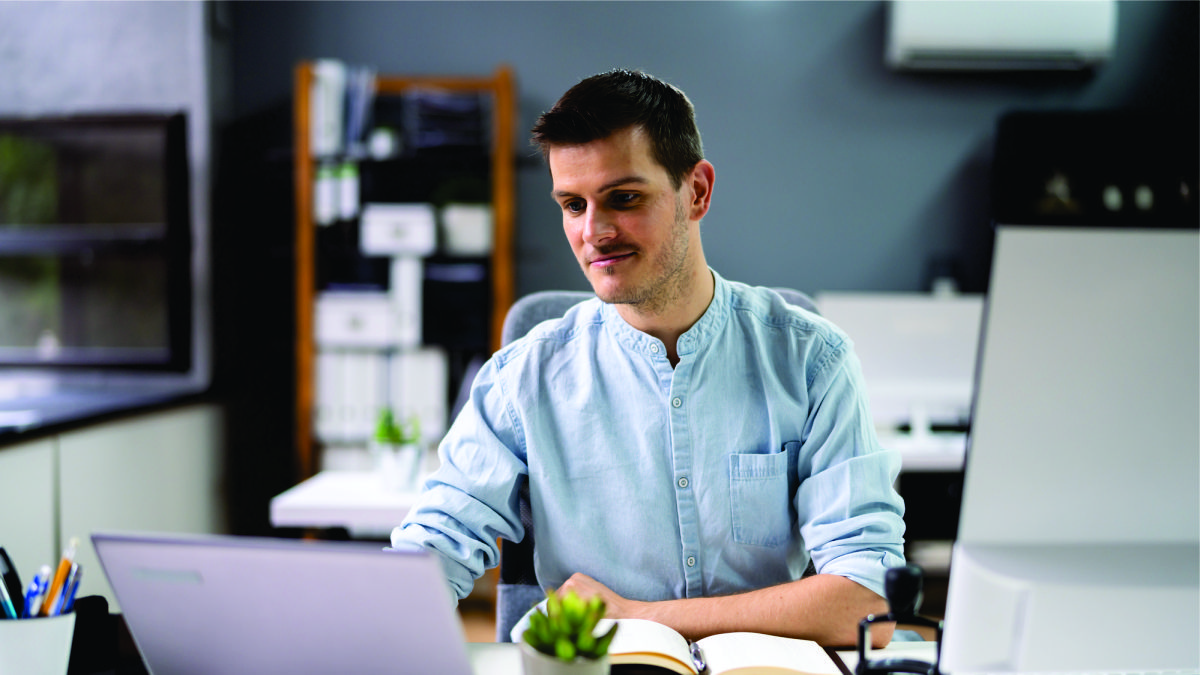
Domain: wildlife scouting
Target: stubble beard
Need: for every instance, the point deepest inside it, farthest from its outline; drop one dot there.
(655, 295)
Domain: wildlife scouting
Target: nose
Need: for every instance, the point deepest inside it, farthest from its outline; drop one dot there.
(598, 227)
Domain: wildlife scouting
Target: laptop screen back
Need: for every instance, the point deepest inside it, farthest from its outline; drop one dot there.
(246, 605)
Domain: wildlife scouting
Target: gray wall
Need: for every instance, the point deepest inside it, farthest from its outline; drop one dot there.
(833, 173)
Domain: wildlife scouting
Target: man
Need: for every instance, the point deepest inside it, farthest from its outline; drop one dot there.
(690, 443)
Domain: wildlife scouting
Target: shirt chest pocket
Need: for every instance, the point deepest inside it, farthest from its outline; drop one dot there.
(760, 496)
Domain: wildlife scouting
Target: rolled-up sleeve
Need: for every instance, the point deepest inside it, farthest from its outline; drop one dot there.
(850, 513)
(471, 500)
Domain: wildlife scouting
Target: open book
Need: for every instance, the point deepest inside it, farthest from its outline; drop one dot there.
(648, 643)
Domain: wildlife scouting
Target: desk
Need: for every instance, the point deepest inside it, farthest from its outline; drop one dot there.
(495, 658)
(504, 658)
(355, 500)
(927, 452)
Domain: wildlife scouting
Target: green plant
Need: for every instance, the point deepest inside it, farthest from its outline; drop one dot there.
(388, 430)
(567, 627)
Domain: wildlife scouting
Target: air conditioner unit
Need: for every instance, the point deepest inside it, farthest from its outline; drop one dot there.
(989, 35)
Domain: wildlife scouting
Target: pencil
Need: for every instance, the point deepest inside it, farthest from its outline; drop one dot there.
(60, 579)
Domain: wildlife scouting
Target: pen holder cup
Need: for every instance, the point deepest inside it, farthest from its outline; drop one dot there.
(40, 646)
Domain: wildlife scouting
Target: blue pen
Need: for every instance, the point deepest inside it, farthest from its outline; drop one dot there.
(698, 658)
(67, 599)
(36, 592)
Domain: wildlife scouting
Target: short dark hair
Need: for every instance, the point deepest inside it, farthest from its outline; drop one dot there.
(604, 104)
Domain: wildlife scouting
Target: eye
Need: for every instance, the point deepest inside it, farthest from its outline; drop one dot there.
(574, 206)
(623, 200)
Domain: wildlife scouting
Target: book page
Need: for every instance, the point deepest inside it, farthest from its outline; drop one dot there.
(758, 654)
(648, 643)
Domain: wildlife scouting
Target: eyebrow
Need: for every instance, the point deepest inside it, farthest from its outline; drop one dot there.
(606, 187)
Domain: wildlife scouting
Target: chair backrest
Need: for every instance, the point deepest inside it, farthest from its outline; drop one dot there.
(518, 589)
(537, 307)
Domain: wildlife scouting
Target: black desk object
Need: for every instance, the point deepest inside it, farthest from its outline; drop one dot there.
(902, 586)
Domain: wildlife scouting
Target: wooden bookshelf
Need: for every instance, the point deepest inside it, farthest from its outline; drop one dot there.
(500, 86)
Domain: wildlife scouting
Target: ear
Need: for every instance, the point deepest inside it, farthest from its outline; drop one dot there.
(701, 183)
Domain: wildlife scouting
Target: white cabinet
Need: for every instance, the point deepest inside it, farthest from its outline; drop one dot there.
(27, 504)
(159, 471)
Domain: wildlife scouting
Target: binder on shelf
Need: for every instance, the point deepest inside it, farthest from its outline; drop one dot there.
(326, 408)
(351, 390)
(360, 99)
(327, 107)
(353, 385)
(373, 396)
(419, 385)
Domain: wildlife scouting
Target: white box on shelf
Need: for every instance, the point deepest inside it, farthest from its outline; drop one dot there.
(467, 229)
(354, 319)
(398, 229)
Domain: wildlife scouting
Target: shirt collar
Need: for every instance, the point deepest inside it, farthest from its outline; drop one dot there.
(701, 333)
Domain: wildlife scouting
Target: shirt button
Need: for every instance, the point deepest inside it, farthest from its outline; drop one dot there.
(691, 561)
(653, 349)
(676, 401)
(683, 481)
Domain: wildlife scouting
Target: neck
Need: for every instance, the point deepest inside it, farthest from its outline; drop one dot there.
(674, 318)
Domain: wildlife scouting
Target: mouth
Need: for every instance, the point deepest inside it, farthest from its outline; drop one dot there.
(607, 260)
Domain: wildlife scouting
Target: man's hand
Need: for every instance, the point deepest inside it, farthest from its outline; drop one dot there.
(618, 607)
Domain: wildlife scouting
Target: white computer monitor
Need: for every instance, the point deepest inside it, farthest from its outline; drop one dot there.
(1079, 539)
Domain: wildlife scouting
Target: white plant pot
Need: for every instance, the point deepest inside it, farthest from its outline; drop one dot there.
(399, 466)
(536, 663)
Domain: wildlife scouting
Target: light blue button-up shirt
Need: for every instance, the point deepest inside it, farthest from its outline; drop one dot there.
(726, 473)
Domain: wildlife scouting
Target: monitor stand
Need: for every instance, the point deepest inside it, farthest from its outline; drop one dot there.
(1073, 607)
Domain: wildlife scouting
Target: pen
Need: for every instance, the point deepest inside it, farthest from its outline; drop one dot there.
(11, 582)
(60, 578)
(72, 591)
(67, 597)
(7, 608)
(37, 591)
(698, 658)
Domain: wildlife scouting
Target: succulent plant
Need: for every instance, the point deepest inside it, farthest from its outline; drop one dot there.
(388, 430)
(566, 629)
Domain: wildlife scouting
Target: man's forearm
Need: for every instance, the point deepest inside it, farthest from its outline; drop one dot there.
(825, 608)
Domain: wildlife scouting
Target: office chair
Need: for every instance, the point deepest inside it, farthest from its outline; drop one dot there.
(518, 589)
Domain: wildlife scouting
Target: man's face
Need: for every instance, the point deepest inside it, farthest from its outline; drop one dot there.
(625, 221)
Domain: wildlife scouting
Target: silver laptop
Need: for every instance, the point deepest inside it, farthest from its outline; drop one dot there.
(221, 604)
